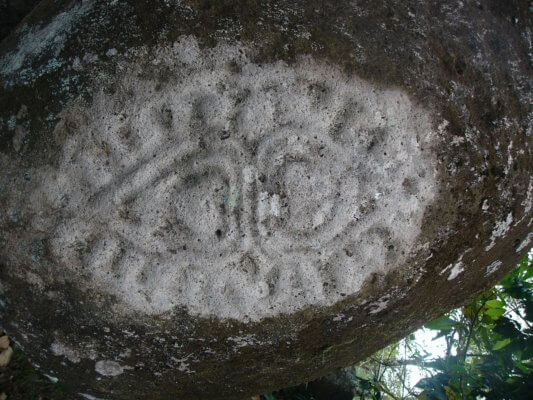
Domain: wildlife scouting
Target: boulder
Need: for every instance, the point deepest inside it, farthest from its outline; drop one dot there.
(205, 199)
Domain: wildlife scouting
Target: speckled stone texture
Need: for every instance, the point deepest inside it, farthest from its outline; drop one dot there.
(216, 199)
(12, 12)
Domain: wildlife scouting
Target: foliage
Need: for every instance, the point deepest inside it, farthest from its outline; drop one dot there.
(488, 352)
(489, 344)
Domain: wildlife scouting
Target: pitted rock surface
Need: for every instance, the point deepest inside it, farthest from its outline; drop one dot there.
(198, 203)
(234, 194)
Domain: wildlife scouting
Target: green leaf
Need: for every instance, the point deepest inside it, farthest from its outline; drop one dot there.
(500, 344)
(495, 313)
(495, 304)
(522, 367)
(528, 271)
(443, 323)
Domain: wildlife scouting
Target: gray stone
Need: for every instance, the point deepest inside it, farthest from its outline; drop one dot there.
(5, 356)
(12, 12)
(203, 203)
(4, 342)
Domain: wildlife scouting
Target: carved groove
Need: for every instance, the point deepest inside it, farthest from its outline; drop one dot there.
(244, 192)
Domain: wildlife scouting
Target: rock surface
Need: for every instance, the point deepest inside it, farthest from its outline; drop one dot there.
(200, 202)
(12, 12)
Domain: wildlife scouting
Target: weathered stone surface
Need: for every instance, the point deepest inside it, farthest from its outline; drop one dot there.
(210, 200)
(12, 12)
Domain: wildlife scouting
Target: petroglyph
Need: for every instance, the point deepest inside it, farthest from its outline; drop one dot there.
(234, 189)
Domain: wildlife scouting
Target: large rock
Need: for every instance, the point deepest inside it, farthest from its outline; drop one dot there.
(215, 199)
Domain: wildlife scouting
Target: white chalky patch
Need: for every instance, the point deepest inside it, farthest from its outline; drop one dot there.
(379, 305)
(89, 397)
(60, 349)
(234, 189)
(51, 378)
(338, 317)
(500, 229)
(243, 341)
(455, 269)
(36, 40)
(527, 203)
(108, 368)
(493, 267)
(524, 243)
